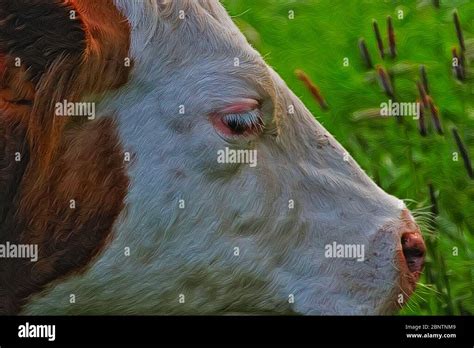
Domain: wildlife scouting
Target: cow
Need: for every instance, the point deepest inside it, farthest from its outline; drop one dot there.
(141, 206)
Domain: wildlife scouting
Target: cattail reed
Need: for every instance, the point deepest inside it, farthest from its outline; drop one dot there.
(464, 153)
(378, 37)
(458, 70)
(314, 90)
(421, 119)
(384, 79)
(435, 116)
(424, 78)
(391, 37)
(457, 24)
(364, 52)
(423, 95)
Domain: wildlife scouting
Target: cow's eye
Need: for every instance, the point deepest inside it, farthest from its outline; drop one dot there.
(240, 124)
(239, 119)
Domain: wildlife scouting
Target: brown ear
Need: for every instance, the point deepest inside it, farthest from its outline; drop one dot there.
(51, 50)
(56, 50)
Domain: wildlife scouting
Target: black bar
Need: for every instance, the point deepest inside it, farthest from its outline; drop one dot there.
(242, 329)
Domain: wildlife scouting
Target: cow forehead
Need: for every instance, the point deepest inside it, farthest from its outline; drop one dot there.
(184, 27)
(171, 11)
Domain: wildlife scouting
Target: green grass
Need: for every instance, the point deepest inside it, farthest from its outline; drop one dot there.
(399, 159)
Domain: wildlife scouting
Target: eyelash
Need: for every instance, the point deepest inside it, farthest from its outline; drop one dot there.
(250, 121)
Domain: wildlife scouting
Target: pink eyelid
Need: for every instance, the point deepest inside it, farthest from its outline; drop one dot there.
(239, 106)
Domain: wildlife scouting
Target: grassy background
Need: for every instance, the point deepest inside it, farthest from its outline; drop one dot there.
(399, 159)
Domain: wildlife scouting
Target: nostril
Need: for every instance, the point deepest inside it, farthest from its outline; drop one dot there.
(413, 250)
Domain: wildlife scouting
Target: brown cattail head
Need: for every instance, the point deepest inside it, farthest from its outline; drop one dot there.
(385, 83)
(378, 37)
(457, 24)
(364, 52)
(435, 115)
(457, 63)
(424, 79)
(314, 90)
(421, 119)
(391, 37)
(436, 3)
(464, 153)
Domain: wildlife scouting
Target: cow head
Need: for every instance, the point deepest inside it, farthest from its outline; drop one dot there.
(265, 234)
(239, 200)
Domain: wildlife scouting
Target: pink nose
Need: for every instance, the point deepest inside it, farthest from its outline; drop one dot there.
(413, 246)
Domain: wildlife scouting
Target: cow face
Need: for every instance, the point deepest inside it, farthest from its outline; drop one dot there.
(272, 228)
(239, 200)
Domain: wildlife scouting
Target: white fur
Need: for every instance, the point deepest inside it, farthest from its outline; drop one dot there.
(190, 251)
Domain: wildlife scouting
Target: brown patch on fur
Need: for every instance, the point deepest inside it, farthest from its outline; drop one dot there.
(12, 135)
(89, 170)
(66, 158)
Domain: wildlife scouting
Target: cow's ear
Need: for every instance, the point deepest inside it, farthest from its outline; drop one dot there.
(33, 34)
(56, 50)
